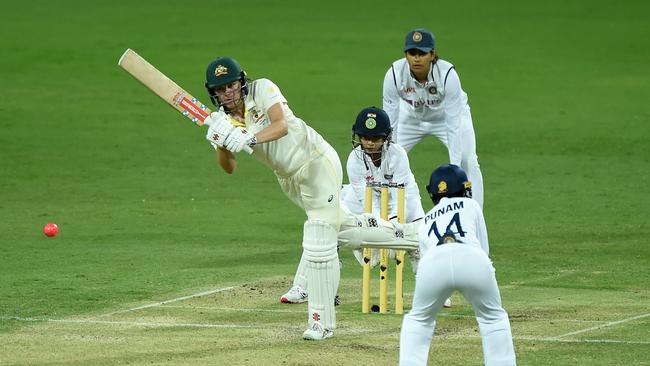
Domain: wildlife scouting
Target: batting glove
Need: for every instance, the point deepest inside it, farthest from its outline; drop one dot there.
(238, 139)
(220, 128)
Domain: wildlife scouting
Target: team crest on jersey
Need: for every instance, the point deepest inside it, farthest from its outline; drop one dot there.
(371, 122)
(442, 187)
(433, 90)
(417, 36)
(220, 70)
(258, 116)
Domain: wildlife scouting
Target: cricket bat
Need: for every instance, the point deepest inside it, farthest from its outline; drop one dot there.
(167, 89)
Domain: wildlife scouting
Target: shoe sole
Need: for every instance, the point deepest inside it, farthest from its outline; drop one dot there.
(284, 300)
(310, 338)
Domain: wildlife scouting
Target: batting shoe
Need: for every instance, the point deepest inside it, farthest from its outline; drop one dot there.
(295, 295)
(316, 332)
(447, 303)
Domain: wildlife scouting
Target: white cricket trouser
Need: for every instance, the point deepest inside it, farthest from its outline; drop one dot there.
(467, 269)
(410, 131)
(316, 187)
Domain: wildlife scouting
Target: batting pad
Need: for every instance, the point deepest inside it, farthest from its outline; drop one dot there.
(323, 271)
(323, 279)
(319, 241)
(300, 279)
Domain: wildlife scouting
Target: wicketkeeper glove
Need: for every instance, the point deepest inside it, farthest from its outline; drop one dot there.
(238, 139)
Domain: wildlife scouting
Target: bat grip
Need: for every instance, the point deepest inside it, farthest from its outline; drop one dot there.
(248, 149)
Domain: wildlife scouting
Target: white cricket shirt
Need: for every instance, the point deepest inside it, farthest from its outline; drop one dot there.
(287, 154)
(462, 216)
(440, 100)
(394, 168)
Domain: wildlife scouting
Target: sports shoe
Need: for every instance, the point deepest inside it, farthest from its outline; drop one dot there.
(295, 295)
(447, 303)
(316, 332)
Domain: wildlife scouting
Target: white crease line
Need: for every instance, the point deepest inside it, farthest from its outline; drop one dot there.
(169, 301)
(116, 322)
(535, 339)
(296, 310)
(290, 311)
(602, 326)
(345, 331)
(243, 310)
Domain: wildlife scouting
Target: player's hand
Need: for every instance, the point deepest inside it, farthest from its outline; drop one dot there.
(239, 139)
(220, 128)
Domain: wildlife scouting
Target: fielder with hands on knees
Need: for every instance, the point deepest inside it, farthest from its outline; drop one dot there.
(374, 158)
(423, 96)
(254, 115)
(454, 247)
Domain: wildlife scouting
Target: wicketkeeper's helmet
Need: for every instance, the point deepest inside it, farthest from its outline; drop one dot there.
(449, 181)
(223, 71)
(371, 121)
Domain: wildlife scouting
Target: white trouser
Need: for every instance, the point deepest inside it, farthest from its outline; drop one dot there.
(410, 131)
(316, 187)
(467, 269)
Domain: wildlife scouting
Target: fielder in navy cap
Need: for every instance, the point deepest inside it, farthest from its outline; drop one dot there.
(423, 97)
(420, 39)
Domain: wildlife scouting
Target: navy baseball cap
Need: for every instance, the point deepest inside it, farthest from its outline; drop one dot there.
(420, 39)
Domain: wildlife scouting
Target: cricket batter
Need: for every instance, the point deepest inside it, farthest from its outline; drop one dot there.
(374, 158)
(454, 247)
(423, 96)
(308, 170)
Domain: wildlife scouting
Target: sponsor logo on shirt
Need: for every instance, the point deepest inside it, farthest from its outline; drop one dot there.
(419, 103)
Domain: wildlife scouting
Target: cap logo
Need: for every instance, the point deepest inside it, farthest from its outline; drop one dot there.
(417, 37)
(371, 123)
(442, 187)
(220, 70)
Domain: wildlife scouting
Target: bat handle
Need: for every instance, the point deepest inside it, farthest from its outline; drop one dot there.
(248, 149)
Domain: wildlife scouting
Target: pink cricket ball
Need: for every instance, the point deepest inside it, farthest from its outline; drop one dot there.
(50, 229)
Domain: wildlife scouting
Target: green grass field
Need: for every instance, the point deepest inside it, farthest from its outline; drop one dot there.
(164, 259)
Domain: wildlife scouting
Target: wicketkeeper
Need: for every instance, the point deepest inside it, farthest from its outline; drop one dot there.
(374, 158)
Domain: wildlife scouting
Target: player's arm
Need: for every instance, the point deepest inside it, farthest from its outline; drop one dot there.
(402, 173)
(278, 127)
(481, 230)
(220, 128)
(453, 108)
(356, 175)
(391, 97)
(226, 160)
